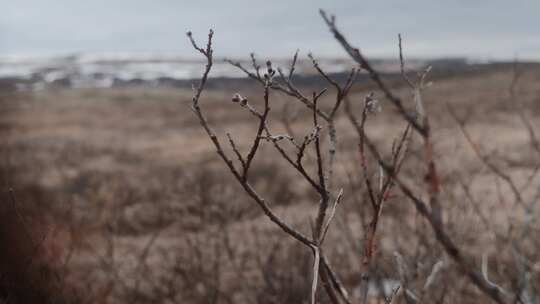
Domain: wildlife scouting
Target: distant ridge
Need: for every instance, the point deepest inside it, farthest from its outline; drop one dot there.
(110, 70)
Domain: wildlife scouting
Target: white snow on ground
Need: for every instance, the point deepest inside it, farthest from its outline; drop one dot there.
(103, 70)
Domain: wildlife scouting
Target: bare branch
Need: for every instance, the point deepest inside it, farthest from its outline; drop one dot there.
(235, 149)
(289, 89)
(451, 249)
(262, 124)
(293, 66)
(247, 187)
(316, 262)
(357, 56)
(331, 215)
(402, 64)
(485, 159)
(485, 274)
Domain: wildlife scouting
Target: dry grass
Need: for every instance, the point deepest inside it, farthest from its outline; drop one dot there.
(144, 212)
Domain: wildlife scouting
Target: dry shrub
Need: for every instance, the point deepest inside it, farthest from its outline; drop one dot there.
(32, 247)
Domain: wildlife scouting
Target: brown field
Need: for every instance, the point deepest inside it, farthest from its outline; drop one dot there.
(128, 202)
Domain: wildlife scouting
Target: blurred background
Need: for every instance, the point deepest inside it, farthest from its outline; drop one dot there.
(112, 193)
(101, 43)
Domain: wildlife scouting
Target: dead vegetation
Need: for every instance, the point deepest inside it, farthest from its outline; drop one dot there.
(124, 199)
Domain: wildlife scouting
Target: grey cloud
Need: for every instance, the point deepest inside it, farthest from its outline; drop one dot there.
(273, 28)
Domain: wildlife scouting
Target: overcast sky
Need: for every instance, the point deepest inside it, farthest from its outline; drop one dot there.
(486, 29)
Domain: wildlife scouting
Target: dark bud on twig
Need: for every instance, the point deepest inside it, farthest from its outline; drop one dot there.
(189, 33)
(270, 71)
(239, 98)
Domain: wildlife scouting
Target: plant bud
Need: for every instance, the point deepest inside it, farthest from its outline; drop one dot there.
(270, 71)
(237, 97)
(372, 105)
